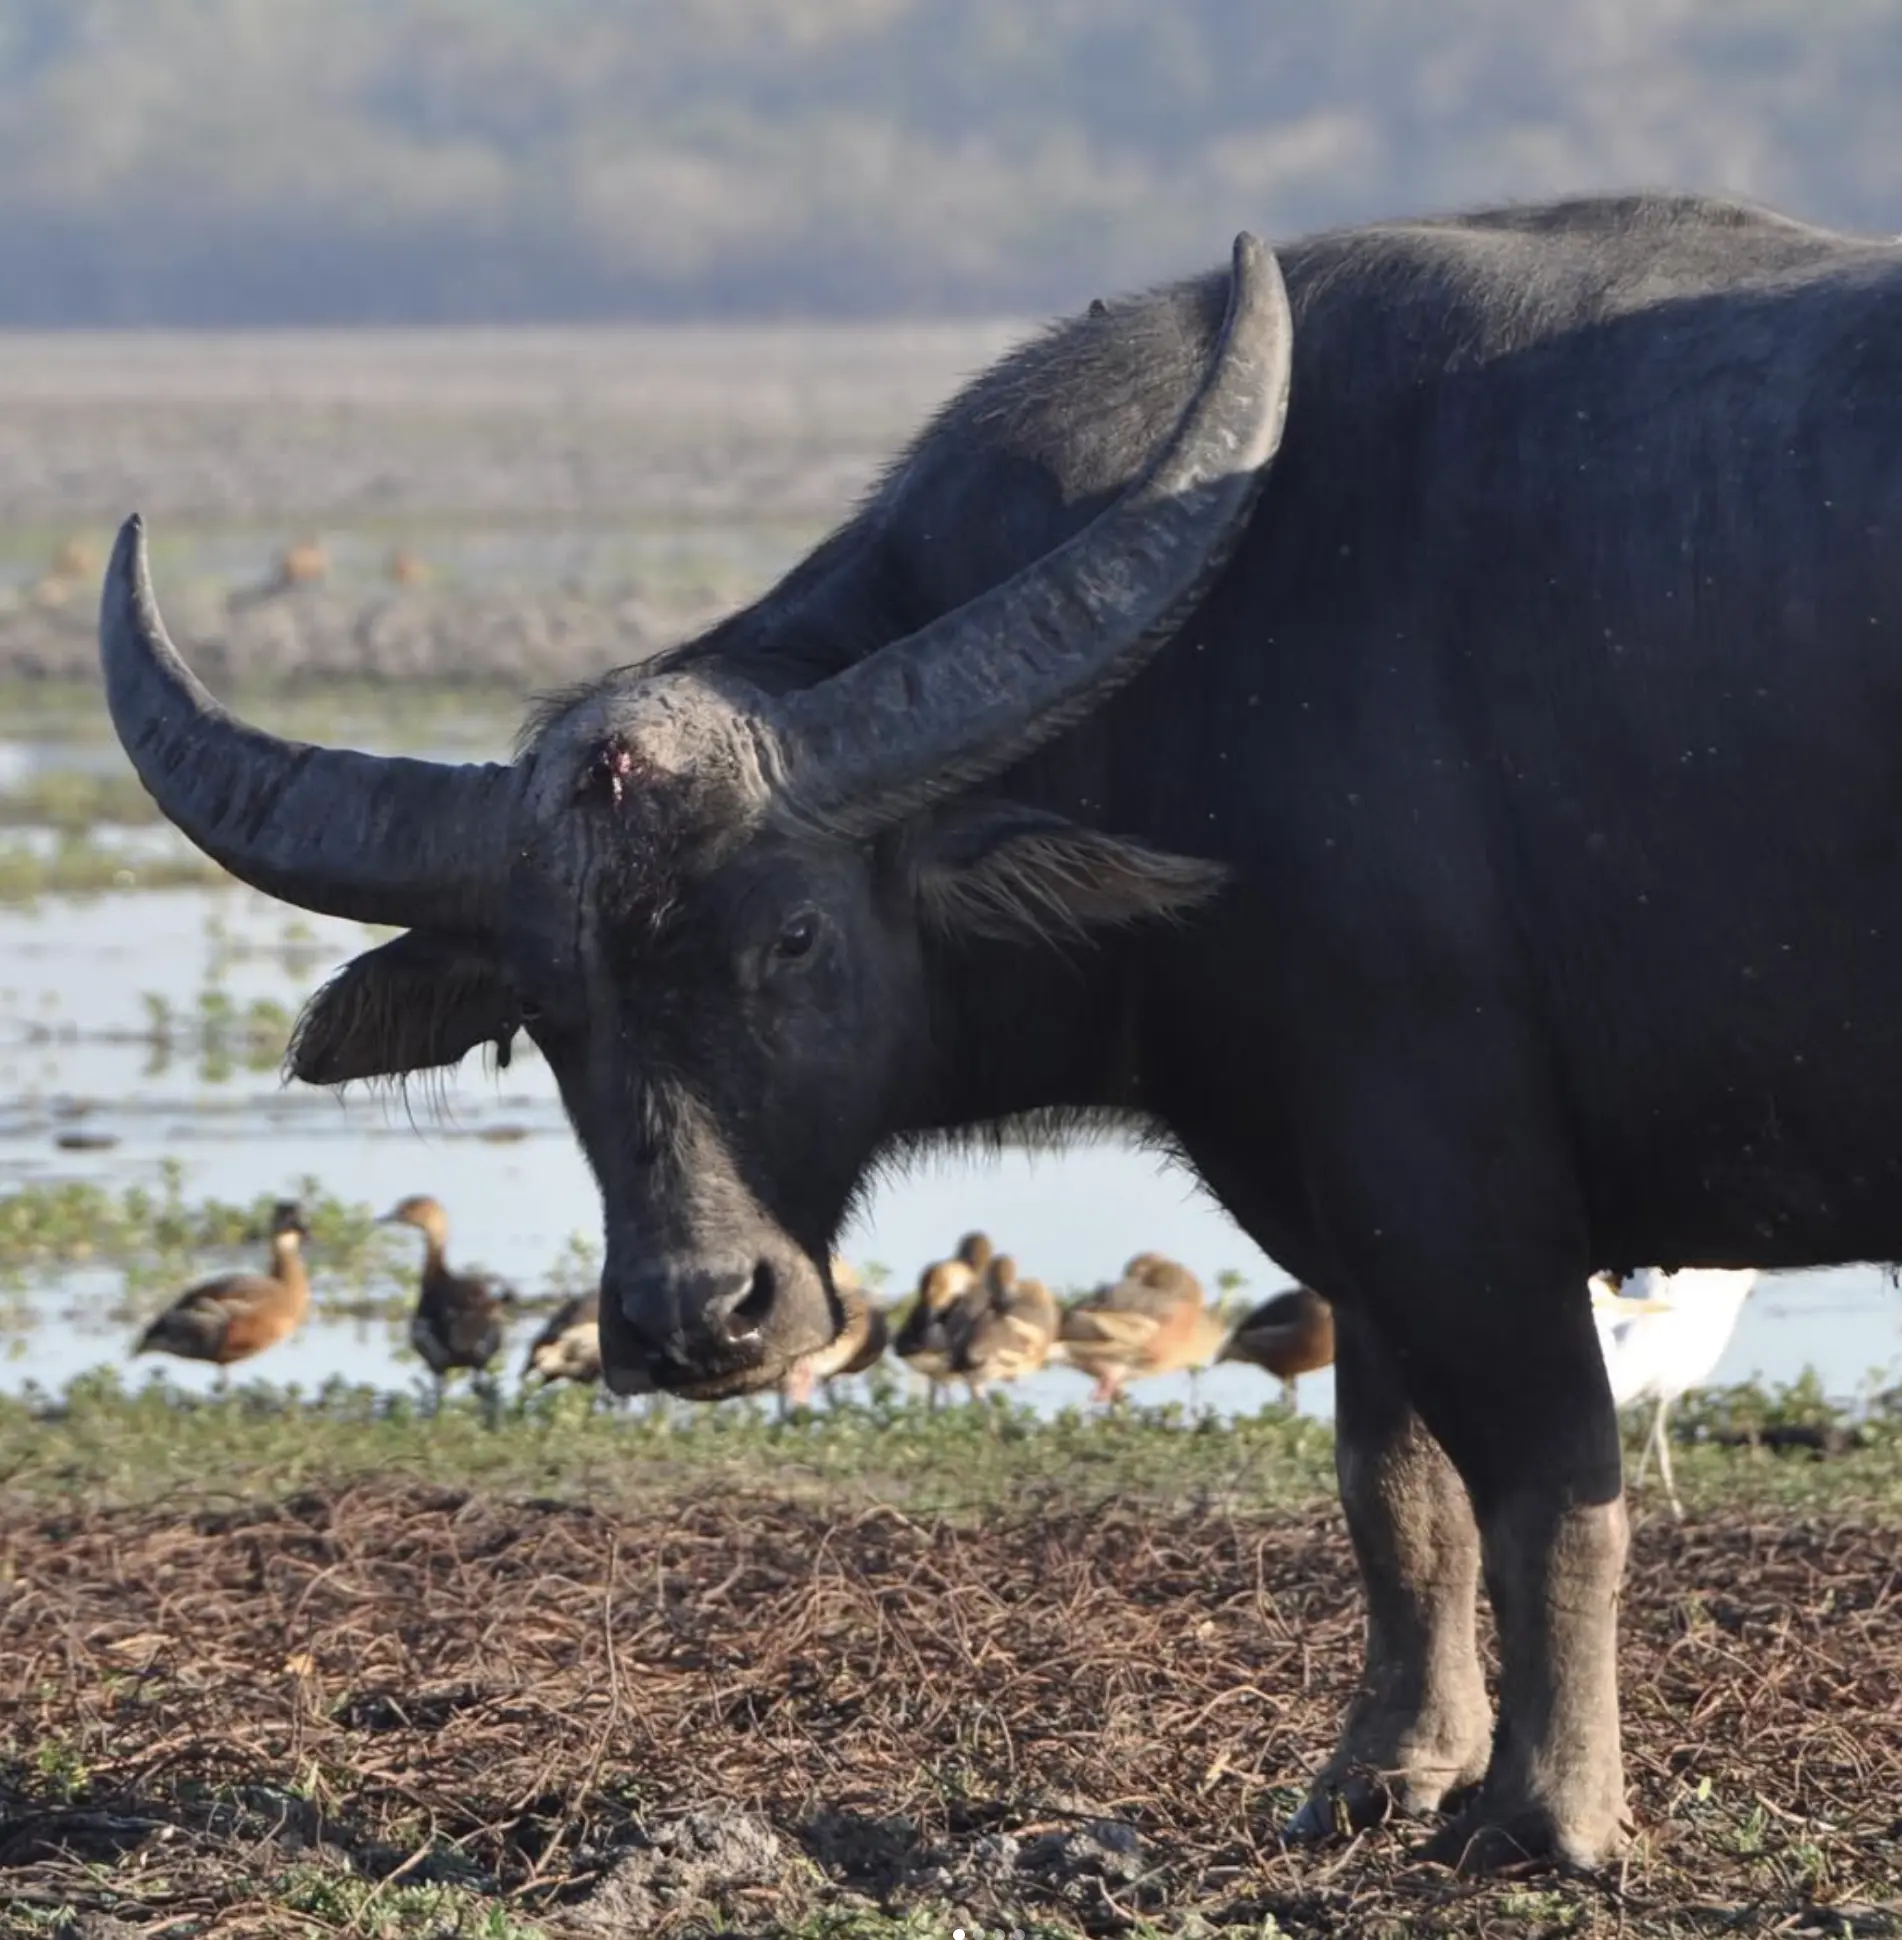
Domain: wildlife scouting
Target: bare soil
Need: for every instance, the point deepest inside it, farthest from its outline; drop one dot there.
(756, 1716)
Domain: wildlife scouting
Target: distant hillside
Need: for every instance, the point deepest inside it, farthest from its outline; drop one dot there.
(247, 161)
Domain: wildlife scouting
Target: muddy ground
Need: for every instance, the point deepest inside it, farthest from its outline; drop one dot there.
(750, 1716)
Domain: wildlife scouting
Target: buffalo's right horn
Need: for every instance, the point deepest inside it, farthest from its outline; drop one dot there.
(373, 838)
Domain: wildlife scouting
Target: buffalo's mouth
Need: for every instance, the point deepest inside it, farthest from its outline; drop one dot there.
(627, 1370)
(748, 1345)
(689, 1384)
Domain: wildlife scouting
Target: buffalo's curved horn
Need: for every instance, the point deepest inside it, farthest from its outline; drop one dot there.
(379, 840)
(961, 699)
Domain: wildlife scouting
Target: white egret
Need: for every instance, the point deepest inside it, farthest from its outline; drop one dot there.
(1664, 1339)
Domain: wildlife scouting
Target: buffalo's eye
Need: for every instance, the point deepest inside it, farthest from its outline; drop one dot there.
(797, 938)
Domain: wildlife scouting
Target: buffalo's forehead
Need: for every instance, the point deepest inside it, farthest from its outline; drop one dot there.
(702, 746)
(638, 787)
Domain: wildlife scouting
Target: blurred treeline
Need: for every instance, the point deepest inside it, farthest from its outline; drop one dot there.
(262, 161)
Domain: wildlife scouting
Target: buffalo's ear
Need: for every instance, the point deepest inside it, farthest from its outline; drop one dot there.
(996, 869)
(409, 1005)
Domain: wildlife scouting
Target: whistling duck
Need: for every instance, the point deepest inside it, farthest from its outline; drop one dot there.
(458, 1317)
(1289, 1334)
(858, 1345)
(75, 559)
(73, 567)
(1151, 1321)
(304, 564)
(1012, 1332)
(1664, 1339)
(949, 1291)
(568, 1348)
(239, 1314)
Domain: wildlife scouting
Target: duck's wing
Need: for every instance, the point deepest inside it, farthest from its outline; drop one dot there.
(1000, 1348)
(1097, 1338)
(226, 1318)
(871, 1350)
(578, 1310)
(489, 1289)
(574, 1354)
(847, 1344)
(1033, 1305)
(194, 1324)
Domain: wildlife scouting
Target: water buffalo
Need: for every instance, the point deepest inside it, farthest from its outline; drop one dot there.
(1314, 829)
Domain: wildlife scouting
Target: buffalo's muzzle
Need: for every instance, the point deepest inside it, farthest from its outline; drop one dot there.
(705, 1331)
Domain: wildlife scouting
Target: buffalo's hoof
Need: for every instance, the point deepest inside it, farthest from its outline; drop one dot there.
(1321, 1816)
(1485, 1839)
(1339, 1808)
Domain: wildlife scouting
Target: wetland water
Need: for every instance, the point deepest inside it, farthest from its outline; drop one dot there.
(91, 988)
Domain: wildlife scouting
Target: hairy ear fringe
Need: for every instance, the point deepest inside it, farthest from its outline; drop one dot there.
(411, 1005)
(1054, 885)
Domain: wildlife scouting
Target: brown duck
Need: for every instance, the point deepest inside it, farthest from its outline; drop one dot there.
(858, 1345)
(949, 1294)
(1151, 1321)
(239, 1314)
(458, 1320)
(1289, 1334)
(1013, 1330)
(568, 1348)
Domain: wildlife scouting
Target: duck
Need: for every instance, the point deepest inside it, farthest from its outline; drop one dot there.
(568, 1348)
(1289, 1334)
(73, 565)
(238, 1315)
(304, 563)
(406, 568)
(75, 558)
(1664, 1339)
(1151, 1321)
(459, 1316)
(928, 1339)
(859, 1344)
(1011, 1332)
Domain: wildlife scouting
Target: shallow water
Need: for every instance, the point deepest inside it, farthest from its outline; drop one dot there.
(81, 980)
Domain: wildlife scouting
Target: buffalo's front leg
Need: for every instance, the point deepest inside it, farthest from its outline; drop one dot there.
(1462, 1236)
(1419, 1723)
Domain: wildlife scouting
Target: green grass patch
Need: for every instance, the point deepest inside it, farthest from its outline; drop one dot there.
(156, 1236)
(220, 1036)
(78, 865)
(396, 716)
(74, 800)
(115, 1442)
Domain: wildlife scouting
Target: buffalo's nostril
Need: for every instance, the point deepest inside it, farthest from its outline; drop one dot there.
(743, 1322)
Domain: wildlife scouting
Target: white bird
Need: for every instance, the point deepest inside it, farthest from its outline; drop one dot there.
(1665, 1340)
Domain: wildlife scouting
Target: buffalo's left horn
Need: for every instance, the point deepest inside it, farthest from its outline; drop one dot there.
(961, 699)
(375, 839)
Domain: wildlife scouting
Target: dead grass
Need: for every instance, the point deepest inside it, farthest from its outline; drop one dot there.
(470, 1709)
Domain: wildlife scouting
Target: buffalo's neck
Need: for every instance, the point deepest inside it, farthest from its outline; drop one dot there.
(1015, 1032)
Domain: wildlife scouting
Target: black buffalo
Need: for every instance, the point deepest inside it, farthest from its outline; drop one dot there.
(1480, 853)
